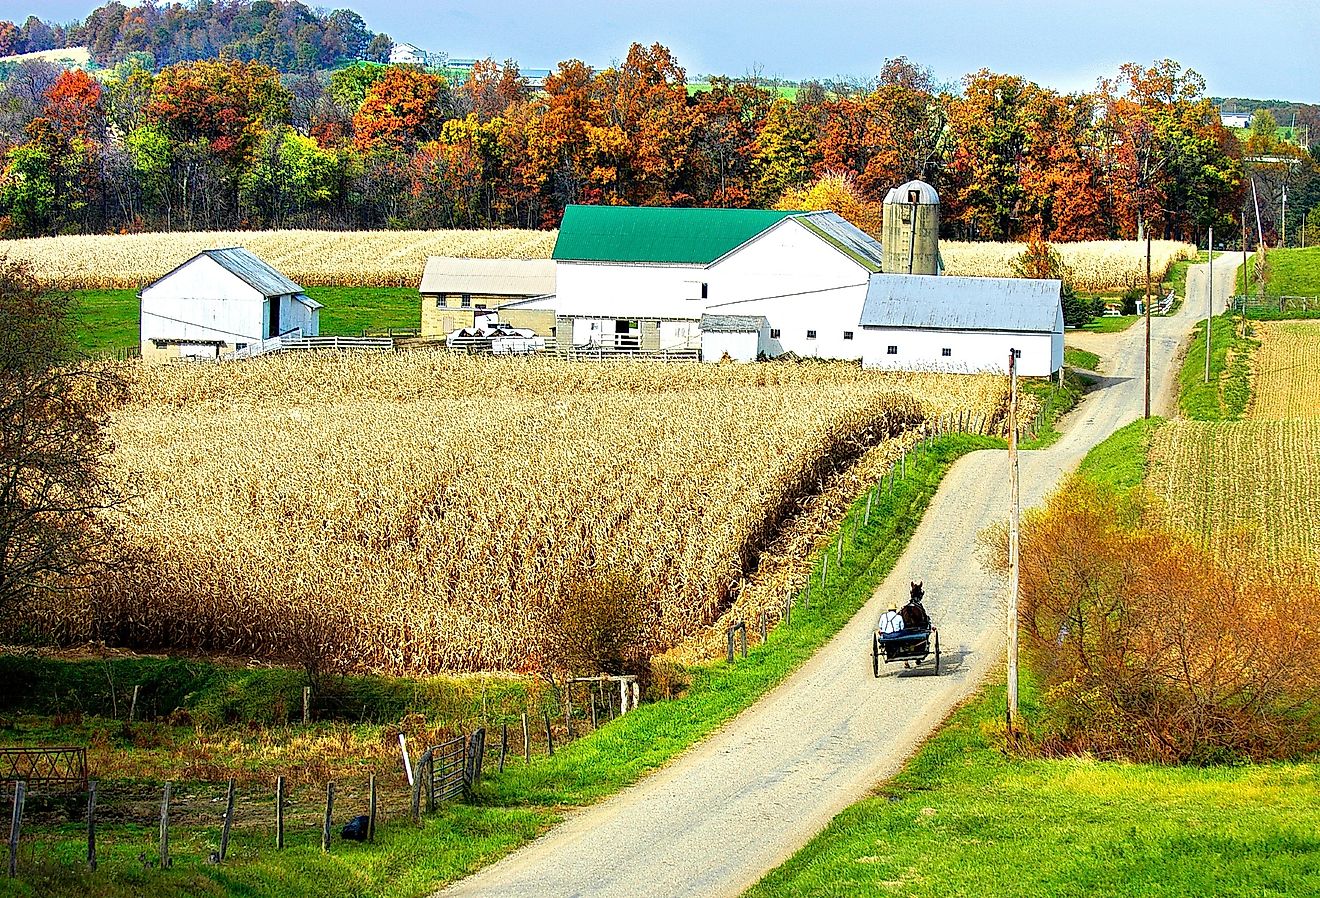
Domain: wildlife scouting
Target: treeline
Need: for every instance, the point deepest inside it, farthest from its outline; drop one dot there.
(283, 34)
(232, 144)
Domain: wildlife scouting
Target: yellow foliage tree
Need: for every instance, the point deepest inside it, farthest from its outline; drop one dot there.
(836, 192)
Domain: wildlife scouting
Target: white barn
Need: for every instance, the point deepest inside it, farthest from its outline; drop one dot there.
(219, 301)
(914, 323)
(746, 283)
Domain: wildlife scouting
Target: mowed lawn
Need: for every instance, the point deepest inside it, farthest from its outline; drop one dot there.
(1292, 272)
(963, 819)
(107, 320)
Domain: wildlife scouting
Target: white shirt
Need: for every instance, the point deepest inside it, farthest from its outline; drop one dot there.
(890, 622)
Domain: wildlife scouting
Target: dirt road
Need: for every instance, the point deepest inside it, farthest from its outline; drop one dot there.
(733, 807)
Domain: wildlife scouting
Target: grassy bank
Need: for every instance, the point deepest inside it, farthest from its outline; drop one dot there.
(510, 808)
(964, 818)
(1224, 397)
(1056, 401)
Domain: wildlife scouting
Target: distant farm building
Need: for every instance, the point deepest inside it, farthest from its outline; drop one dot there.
(411, 54)
(744, 284)
(221, 301)
(456, 291)
(963, 324)
(1235, 119)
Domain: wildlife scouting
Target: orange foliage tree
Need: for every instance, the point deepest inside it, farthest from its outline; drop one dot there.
(1149, 649)
(836, 192)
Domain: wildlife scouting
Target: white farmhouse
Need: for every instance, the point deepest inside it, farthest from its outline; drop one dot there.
(219, 301)
(967, 324)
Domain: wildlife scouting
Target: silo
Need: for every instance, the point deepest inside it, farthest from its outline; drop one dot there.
(912, 229)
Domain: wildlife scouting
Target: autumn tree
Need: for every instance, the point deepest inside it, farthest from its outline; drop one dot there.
(836, 192)
(400, 109)
(54, 480)
(785, 154)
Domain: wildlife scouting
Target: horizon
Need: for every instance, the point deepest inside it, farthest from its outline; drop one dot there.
(960, 37)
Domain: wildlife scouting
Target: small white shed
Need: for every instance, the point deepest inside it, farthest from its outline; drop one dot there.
(962, 324)
(219, 301)
(740, 337)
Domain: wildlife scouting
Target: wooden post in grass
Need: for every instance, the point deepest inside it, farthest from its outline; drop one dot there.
(371, 809)
(91, 827)
(549, 736)
(165, 826)
(307, 705)
(1209, 299)
(728, 644)
(16, 826)
(504, 737)
(229, 820)
(279, 812)
(527, 741)
(132, 708)
(329, 815)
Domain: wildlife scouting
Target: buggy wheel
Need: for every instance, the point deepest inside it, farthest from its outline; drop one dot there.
(875, 655)
(937, 653)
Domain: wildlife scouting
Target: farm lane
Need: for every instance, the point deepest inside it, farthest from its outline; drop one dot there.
(716, 819)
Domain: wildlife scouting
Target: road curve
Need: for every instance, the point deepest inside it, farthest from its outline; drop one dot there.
(712, 822)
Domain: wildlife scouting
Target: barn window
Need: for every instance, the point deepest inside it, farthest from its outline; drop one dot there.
(440, 301)
(847, 335)
(705, 290)
(1017, 353)
(774, 333)
(946, 352)
(467, 300)
(892, 350)
(811, 335)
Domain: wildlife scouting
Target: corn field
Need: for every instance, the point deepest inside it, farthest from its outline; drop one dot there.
(1096, 265)
(1286, 376)
(422, 512)
(1242, 487)
(396, 258)
(311, 258)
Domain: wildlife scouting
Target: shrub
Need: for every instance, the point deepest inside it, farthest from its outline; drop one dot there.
(1151, 650)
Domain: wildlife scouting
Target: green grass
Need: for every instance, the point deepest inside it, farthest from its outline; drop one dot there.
(514, 807)
(963, 818)
(107, 320)
(1291, 272)
(1226, 395)
(1080, 358)
(1056, 401)
(1120, 460)
(1109, 325)
(350, 310)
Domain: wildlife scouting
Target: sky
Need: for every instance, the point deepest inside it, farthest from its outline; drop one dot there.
(1264, 49)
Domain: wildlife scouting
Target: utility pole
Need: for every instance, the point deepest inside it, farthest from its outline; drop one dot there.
(1283, 219)
(1011, 712)
(1209, 299)
(1148, 325)
(1246, 273)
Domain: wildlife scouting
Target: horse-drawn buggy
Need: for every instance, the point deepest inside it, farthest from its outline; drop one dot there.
(907, 635)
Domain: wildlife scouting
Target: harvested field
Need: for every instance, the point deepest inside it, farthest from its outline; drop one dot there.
(1286, 376)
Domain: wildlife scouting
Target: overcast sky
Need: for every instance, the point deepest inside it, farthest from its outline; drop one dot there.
(1266, 49)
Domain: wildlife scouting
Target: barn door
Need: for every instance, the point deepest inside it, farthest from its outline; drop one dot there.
(274, 317)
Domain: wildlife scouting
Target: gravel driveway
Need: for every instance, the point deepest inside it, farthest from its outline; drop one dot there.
(721, 815)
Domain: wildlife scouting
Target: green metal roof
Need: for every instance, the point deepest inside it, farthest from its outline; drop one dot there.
(658, 233)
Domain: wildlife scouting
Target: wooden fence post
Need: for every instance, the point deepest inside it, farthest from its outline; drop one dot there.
(371, 809)
(91, 826)
(16, 826)
(527, 741)
(165, 826)
(329, 811)
(229, 820)
(549, 737)
(636, 694)
(279, 812)
(504, 736)
(728, 645)
(307, 705)
(132, 708)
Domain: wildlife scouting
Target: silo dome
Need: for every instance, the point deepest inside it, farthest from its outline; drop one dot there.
(912, 229)
(913, 192)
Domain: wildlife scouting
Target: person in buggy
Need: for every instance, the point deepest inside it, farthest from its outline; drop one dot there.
(913, 613)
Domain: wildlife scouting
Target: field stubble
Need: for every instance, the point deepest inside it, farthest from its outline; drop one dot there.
(422, 512)
(1286, 381)
(396, 258)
